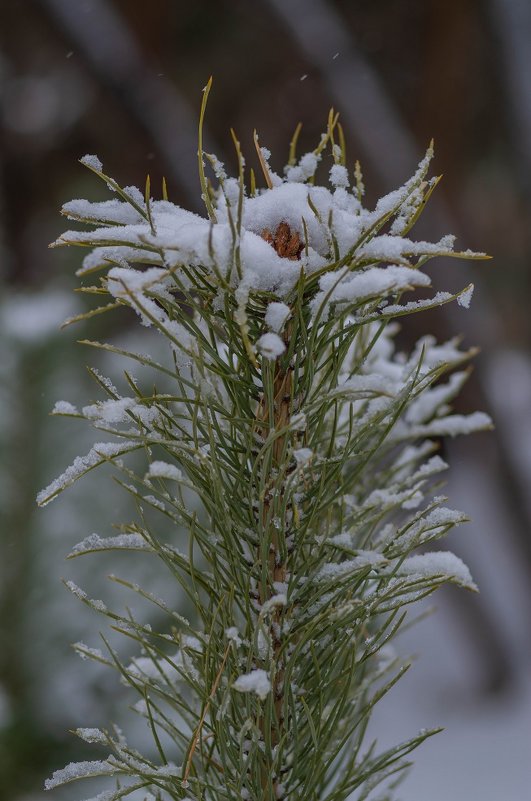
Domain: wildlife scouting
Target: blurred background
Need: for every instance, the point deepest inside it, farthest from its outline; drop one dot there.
(123, 79)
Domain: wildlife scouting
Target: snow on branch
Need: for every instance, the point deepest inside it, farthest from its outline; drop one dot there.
(290, 444)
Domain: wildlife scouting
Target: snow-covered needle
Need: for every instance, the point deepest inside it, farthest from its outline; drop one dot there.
(278, 454)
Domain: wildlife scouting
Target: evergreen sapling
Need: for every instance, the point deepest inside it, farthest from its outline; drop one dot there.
(284, 476)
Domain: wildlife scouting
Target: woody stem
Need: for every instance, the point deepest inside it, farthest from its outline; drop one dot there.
(277, 569)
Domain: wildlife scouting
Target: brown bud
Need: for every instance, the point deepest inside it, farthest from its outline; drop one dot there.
(286, 242)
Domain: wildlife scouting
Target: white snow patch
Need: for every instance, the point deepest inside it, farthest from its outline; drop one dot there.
(92, 735)
(232, 634)
(82, 595)
(308, 164)
(465, 297)
(276, 316)
(107, 211)
(170, 770)
(86, 652)
(351, 288)
(416, 305)
(98, 454)
(438, 563)
(64, 407)
(159, 469)
(80, 770)
(362, 386)
(304, 170)
(339, 176)
(92, 161)
(362, 560)
(303, 456)
(257, 681)
(270, 346)
(109, 411)
(276, 601)
(452, 425)
(132, 542)
(124, 282)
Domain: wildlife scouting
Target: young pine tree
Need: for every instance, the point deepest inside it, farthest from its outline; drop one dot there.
(284, 475)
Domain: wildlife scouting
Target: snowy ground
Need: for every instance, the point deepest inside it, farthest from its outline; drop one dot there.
(484, 752)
